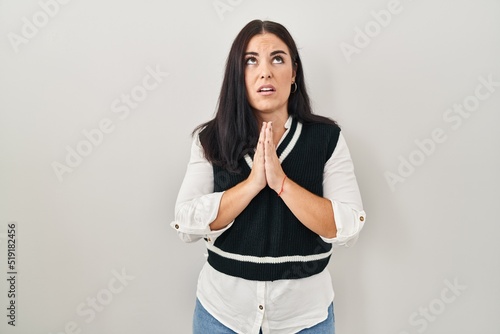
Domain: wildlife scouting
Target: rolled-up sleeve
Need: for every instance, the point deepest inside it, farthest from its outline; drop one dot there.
(197, 204)
(341, 188)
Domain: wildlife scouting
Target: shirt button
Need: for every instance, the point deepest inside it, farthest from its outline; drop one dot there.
(261, 307)
(209, 239)
(176, 226)
(362, 218)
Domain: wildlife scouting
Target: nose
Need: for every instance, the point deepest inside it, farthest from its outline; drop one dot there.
(265, 71)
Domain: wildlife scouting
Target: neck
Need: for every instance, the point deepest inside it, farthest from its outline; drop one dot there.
(278, 119)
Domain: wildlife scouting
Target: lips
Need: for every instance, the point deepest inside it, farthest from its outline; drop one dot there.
(266, 89)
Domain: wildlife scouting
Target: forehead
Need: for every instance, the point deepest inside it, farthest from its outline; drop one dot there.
(266, 43)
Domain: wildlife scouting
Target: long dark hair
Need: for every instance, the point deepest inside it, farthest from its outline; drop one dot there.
(234, 132)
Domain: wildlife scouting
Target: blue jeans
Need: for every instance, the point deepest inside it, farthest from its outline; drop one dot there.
(204, 323)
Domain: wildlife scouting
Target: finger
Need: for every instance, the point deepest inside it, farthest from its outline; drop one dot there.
(266, 140)
(264, 128)
(266, 133)
(262, 132)
(269, 142)
(260, 144)
(271, 135)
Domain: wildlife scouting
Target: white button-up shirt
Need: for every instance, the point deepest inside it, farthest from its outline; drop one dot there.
(278, 307)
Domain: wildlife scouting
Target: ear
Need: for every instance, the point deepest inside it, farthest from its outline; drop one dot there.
(294, 71)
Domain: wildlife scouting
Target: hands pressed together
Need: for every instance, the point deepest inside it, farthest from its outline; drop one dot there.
(315, 212)
(267, 168)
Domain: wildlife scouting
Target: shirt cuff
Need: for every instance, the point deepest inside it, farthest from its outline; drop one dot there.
(193, 218)
(349, 223)
(210, 237)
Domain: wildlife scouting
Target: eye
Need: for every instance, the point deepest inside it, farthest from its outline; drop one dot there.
(251, 61)
(278, 60)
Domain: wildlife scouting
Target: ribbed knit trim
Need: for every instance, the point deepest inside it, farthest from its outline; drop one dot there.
(264, 271)
(268, 259)
(292, 143)
(248, 160)
(285, 142)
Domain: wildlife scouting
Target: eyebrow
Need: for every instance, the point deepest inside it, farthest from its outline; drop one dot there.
(272, 53)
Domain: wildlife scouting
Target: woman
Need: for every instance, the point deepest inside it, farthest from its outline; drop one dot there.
(270, 187)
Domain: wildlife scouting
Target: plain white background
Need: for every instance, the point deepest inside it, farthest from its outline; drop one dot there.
(109, 215)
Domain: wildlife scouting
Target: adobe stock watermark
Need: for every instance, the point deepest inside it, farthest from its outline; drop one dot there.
(223, 6)
(122, 107)
(454, 116)
(38, 20)
(425, 315)
(371, 29)
(89, 309)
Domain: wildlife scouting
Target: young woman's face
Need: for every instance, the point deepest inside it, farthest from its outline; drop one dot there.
(269, 73)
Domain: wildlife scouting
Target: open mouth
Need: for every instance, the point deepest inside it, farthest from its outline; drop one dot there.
(266, 89)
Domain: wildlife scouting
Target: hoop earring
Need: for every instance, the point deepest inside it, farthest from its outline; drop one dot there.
(296, 87)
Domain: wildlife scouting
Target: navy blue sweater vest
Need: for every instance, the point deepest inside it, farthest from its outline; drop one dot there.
(266, 241)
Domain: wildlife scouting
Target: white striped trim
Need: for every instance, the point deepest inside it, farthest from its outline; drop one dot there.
(249, 161)
(292, 143)
(268, 259)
